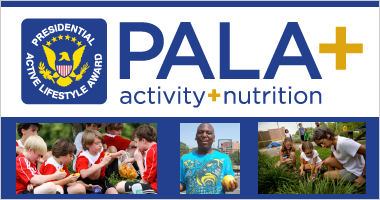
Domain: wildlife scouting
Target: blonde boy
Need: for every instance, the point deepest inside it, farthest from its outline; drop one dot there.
(27, 175)
(24, 131)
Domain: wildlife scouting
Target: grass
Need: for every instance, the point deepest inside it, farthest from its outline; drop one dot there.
(278, 180)
(362, 142)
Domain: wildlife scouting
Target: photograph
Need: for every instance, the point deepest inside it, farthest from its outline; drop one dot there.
(86, 158)
(312, 158)
(204, 167)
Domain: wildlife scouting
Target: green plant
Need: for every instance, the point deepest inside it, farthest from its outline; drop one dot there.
(320, 186)
(264, 161)
(277, 180)
(70, 168)
(115, 179)
(310, 138)
(271, 177)
(235, 157)
(296, 140)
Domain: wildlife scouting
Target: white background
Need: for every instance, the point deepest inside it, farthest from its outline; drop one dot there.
(255, 33)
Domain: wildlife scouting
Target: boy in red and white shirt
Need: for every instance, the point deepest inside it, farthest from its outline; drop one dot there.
(92, 161)
(115, 143)
(113, 138)
(25, 130)
(27, 175)
(78, 139)
(63, 153)
(145, 137)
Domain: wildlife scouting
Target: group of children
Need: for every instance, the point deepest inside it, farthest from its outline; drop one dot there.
(346, 160)
(94, 156)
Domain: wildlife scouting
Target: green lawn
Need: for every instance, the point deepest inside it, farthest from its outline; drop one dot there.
(362, 142)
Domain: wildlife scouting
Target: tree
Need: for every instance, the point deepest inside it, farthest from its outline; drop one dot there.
(77, 128)
(184, 148)
(331, 125)
(235, 157)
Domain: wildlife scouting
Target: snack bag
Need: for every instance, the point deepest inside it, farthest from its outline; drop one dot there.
(127, 171)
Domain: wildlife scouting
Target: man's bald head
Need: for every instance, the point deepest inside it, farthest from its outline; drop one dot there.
(205, 136)
(208, 125)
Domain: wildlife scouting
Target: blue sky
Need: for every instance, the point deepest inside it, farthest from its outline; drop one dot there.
(222, 131)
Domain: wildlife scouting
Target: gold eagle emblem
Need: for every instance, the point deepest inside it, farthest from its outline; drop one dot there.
(64, 73)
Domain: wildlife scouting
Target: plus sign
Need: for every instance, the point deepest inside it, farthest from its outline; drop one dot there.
(341, 48)
(213, 94)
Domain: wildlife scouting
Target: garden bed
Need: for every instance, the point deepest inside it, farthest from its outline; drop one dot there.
(281, 180)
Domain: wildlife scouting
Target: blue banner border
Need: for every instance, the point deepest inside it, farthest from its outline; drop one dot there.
(190, 4)
(168, 170)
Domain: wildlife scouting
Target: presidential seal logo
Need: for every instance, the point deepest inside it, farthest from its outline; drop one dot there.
(64, 61)
(62, 69)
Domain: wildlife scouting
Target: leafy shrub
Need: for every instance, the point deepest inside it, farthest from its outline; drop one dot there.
(70, 168)
(277, 180)
(115, 179)
(264, 161)
(296, 140)
(271, 177)
(320, 186)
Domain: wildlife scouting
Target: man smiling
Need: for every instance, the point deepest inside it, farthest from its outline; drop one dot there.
(202, 170)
